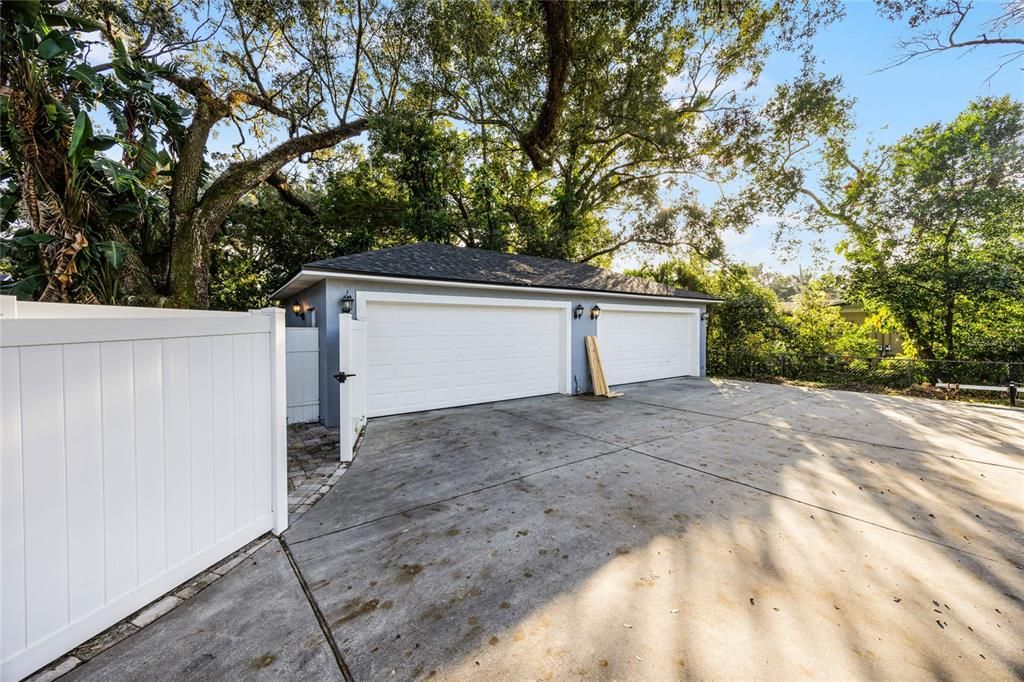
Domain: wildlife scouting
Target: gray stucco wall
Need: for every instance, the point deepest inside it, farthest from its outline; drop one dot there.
(326, 295)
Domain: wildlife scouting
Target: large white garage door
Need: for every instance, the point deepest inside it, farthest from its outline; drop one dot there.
(641, 344)
(424, 355)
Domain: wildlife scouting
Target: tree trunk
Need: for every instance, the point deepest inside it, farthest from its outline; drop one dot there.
(538, 138)
(190, 267)
(916, 335)
(947, 329)
(134, 275)
(194, 229)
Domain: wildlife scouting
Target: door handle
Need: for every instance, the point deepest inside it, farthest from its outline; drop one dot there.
(341, 377)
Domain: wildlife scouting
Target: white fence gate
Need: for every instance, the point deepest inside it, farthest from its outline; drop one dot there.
(352, 361)
(302, 346)
(138, 447)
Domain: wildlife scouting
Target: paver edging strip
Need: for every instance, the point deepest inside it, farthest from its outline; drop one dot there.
(147, 615)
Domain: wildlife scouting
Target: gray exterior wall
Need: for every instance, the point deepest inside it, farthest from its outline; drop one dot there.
(326, 295)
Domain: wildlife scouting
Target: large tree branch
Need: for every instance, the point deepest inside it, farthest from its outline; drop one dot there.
(827, 210)
(359, 28)
(536, 140)
(193, 85)
(625, 242)
(241, 97)
(278, 181)
(244, 176)
(201, 92)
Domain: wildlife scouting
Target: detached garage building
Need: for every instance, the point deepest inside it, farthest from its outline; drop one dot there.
(448, 326)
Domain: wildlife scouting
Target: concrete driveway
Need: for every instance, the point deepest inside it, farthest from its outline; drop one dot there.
(691, 528)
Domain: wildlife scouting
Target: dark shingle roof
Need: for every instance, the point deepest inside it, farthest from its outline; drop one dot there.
(430, 261)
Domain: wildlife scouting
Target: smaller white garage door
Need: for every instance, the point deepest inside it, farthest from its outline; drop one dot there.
(646, 343)
(425, 353)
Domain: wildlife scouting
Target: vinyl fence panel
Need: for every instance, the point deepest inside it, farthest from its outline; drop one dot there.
(303, 374)
(137, 449)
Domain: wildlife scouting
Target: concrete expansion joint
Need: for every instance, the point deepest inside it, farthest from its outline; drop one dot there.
(317, 613)
(456, 497)
(827, 510)
(743, 420)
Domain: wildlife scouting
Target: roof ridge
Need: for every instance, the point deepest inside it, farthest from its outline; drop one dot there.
(447, 262)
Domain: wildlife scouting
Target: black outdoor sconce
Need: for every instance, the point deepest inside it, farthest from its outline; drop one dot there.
(346, 303)
(299, 312)
(595, 312)
(577, 312)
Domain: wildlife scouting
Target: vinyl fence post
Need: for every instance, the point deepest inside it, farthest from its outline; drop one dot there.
(279, 420)
(8, 306)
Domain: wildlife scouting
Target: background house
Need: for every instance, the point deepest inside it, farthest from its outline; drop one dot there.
(887, 341)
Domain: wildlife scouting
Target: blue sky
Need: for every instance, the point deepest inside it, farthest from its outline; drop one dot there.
(890, 104)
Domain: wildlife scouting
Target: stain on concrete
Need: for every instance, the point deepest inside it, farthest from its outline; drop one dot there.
(357, 609)
(261, 662)
(409, 572)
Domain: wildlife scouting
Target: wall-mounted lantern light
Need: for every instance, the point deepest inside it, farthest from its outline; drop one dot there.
(595, 312)
(346, 303)
(704, 315)
(577, 312)
(299, 312)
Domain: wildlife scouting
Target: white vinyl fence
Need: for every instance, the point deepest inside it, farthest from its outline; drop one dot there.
(138, 447)
(302, 347)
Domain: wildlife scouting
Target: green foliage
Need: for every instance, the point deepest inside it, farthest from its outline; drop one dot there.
(658, 100)
(819, 329)
(264, 242)
(749, 321)
(935, 230)
(67, 203)
(786, 287)
(474, 139)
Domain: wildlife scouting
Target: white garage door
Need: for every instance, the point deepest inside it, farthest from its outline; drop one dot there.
(425, 355)
(645, 343)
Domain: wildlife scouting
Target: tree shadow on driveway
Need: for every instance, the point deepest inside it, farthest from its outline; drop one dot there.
(533, 539)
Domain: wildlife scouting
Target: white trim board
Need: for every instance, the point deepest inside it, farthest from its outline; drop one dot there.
(627, 308)
(314, 276)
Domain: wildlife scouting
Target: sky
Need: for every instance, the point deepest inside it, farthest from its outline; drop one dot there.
(890, 104)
